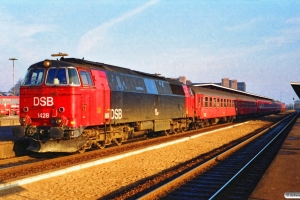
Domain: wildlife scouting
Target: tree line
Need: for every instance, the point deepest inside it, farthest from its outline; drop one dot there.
(15, 90)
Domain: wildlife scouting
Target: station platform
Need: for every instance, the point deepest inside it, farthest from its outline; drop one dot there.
(282, 178)
(11, 146)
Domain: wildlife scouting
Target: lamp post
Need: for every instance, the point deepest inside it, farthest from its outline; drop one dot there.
(13, 59)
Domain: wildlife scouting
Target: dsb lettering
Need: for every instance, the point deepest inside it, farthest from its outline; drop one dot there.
(43, 101)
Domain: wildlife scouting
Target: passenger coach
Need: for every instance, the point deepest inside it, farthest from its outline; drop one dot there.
(9, 105)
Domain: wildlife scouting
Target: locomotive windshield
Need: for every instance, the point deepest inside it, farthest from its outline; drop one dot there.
(55, 76)
(34, 76)
(62, 76)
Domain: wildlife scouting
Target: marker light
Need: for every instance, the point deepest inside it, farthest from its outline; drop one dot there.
(62, 120)
(61, 109)
(25, 109)
(24, 120)
(58, 120)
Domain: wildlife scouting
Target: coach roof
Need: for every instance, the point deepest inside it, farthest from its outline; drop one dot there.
(222, 88)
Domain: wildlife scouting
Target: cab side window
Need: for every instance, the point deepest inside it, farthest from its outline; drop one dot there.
(86, 78)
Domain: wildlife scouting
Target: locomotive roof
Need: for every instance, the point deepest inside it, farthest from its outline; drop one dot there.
(107, 67)
(226, 89)
(97, 65)
(296, 87)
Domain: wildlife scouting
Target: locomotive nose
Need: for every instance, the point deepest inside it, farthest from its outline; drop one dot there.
(33, 146)
(72, 145)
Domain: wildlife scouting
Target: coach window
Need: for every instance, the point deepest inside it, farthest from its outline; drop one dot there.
(221, 103)
(86, 78)
(210, 102)
(206, 102)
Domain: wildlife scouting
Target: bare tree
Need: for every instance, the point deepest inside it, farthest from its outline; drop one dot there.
(16, 89)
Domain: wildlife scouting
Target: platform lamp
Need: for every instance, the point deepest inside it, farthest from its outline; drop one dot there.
(13, 59)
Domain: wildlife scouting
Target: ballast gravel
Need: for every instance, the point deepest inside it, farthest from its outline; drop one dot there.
(99, 181)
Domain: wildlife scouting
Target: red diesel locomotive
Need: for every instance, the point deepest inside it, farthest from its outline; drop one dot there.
(71, 105)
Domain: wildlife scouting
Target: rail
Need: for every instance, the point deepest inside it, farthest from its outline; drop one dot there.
(213, 169)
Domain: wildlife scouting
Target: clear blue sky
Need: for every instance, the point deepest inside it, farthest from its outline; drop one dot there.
(257, 41)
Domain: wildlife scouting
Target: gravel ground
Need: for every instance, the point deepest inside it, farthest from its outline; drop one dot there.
(98, 181)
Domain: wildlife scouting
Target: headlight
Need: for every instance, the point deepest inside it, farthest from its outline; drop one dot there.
(47, 63)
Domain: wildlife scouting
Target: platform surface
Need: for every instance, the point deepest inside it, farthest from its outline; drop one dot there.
(283, 175)
(9, 121)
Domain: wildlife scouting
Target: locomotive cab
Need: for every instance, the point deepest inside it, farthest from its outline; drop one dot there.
(55, 98)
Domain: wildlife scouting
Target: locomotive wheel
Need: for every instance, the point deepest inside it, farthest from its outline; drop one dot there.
(82, 150)
(100, 145)
(178, 130)
(88, 145)
(118, 141)
(166, 133)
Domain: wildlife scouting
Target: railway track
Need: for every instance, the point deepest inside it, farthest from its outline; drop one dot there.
(42, 166)
(14, 168)
(232, 174)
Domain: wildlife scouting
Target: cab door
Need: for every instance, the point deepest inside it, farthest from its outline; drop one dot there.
(102, 98)
(87, 97)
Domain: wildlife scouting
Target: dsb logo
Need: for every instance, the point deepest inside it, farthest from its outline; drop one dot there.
(43, 101)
